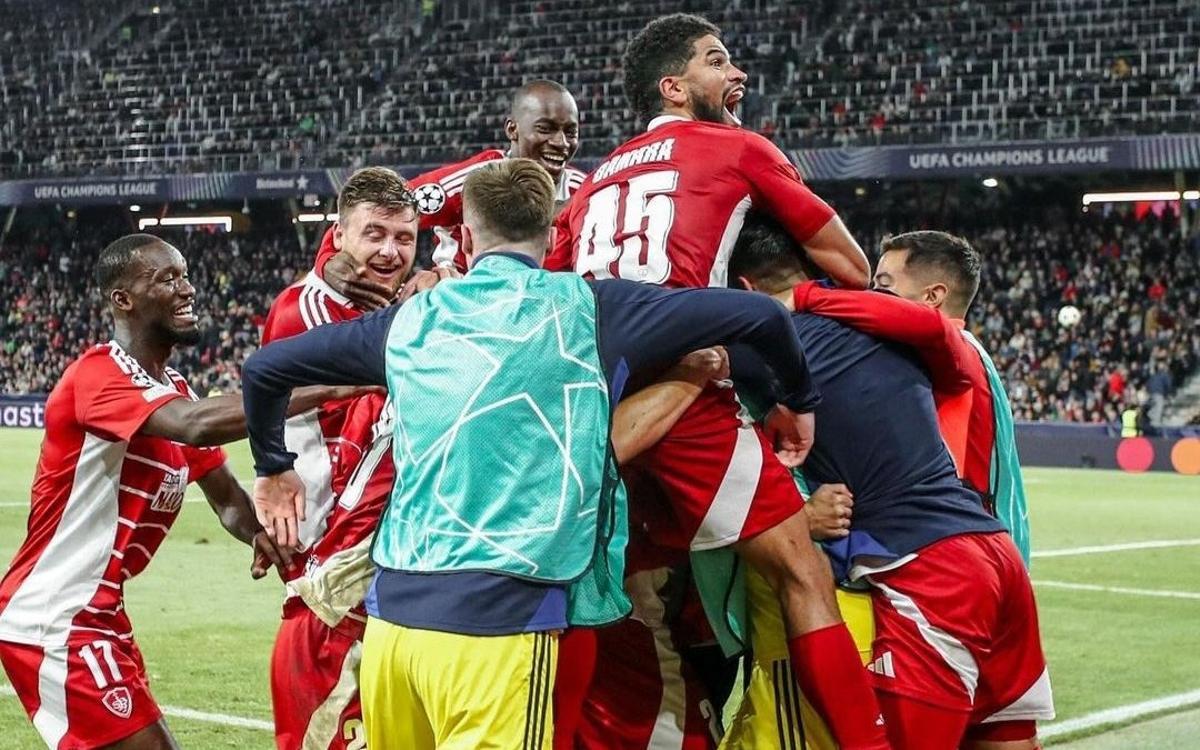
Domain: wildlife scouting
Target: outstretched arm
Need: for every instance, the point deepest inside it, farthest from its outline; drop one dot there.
(644, 327)
(232, 506)
(350, 353)
(936, 338)
(222, 419)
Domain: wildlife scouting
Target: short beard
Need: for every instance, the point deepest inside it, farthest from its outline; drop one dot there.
(707, 113)
(177, 337)
(190, 337)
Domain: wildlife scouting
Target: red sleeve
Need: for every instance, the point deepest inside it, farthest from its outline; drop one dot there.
(325, 251)
(202, 461)
(285, 318)
(776, 188)
(439, 198)
(936, 338)
(113, 399)
(560, 257)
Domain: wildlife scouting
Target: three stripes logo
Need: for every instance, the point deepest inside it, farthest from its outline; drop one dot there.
(541, 677)
(788, 721)
(883, 665)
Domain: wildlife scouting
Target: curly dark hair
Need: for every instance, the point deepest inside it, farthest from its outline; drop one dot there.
(662, 48)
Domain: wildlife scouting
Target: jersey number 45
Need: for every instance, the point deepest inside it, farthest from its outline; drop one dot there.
(625, 229)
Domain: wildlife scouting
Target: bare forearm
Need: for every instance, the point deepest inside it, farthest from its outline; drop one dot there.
(312, 396)
(239, 521)
(645, 417)
(215, 421)
(231, 504)
(222, 419)
(838, 254)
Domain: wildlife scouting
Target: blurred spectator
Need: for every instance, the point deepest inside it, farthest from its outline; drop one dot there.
(57, 314)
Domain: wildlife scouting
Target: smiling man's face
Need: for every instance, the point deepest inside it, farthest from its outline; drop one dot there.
(382, 239)
(544, 126)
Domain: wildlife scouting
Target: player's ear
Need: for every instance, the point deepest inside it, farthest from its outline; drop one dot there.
(935, 295)
(746, 284)
(338, 231)
(120, 300)
(466, 243)
(510, 131)
(672, 91)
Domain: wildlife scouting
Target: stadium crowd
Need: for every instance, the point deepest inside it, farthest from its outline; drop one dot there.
(58, 311)
(286, 89)
(1137, 340)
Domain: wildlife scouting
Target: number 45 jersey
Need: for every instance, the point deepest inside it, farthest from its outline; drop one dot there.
(667, 206)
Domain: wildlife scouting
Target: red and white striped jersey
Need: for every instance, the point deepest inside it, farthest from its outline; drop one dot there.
(104, 497)
(439, 199)
(314, 436)
(362, 482)
(305, 305)
(343, 449)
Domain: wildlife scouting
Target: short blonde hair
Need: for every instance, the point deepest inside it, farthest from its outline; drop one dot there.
(513, 198)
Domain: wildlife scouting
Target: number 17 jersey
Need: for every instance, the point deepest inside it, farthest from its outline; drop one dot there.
(667, 206)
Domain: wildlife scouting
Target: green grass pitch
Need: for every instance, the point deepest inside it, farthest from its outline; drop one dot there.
(206, 629)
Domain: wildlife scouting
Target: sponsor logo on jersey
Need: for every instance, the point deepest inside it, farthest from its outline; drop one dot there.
(119, 702)
(430, 198)
(169, 498)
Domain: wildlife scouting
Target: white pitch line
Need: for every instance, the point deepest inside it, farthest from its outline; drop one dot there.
(1118, 589)
(187, 713)
(1100, 549)
(1120, 714)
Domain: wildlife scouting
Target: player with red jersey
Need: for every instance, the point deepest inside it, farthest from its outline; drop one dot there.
(344, 460)
(124, 437)
(543, 125)
(666, 208)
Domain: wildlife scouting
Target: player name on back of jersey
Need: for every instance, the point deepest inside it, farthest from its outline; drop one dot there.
(657, 151)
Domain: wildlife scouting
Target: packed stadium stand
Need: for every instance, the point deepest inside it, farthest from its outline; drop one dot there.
(58, 312)
(964, 70)
(1136, 343)
(208, 85)
(1139, 296)
(284, 83)
(454, 95)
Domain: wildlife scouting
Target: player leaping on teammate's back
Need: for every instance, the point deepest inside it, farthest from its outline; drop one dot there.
(665, 208)
(542, 125)
(501, 530)
(124, 437)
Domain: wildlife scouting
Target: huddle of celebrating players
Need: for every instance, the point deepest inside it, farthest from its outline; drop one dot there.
(524, 507)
